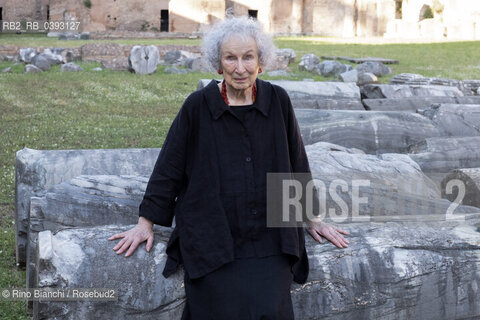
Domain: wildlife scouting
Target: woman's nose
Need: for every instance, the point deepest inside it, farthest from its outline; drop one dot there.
(240, 66)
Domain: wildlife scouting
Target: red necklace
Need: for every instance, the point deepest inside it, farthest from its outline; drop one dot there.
(224, 93)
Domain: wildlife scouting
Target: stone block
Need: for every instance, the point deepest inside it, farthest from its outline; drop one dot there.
(36, 171)
(371, 131)
(388, 268)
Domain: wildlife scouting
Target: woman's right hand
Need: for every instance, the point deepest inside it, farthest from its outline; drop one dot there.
(133, 237)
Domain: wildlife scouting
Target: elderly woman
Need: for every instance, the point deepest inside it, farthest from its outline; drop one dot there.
(211, 175)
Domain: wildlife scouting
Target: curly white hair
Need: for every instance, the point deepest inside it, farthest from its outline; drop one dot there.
(239, 26)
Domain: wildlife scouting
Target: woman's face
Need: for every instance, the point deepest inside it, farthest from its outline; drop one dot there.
(239, 62)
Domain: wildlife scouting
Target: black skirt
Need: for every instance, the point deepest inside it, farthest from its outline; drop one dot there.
(245, 289)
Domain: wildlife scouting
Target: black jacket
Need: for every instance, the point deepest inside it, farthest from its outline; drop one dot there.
(211, 175)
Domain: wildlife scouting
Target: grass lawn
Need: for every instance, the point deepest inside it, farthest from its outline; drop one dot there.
(108, 109)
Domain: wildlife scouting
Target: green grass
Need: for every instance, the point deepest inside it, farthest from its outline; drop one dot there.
(108, 109)
(455, 60)
(39, 39)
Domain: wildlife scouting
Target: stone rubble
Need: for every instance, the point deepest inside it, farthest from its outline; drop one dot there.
(70, 67)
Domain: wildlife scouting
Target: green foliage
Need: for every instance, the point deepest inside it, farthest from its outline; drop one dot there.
(398, 9)
(145, 26)
(9, 275)
(428, 13)
(36, 39)
(87, 3)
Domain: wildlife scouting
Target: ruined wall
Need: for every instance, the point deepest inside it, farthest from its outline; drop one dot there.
(458, 24)
(453, 21)
(339, 18)
(139, 15)
(110, 15)
(330, 17)
(17, 10)
(68, 10)
(191, 16)
(286, 16)
(373, 16)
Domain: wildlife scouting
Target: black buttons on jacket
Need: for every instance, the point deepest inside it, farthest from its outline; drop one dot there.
(248, 159)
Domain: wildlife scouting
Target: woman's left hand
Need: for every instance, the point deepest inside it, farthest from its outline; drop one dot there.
(331, 233)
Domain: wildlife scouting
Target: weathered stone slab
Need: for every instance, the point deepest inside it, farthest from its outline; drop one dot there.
(376, 68)
(178, 57)
(26, 54)
(470, 181)
(414, 103)
(70, 67)
(468, 87)
(30, 68)
(418, 79)
(396, 172)
(200, 65)
(446, 144)
(370, 131)
(328, 104)
(36, 171)
(287, 53)
(303, 91)
(331, 68)
(455, 119)
(394, 271)
(83, 201)
(390, 187)
(366, 78)
(144, 59)
(471, 86)
(83, 258)
(438, 156)
(308, 62)
(388, 271)
(316, 95)
(381, 91)
(349, 76)
(310, 89)
(362, 60)
(45, 60)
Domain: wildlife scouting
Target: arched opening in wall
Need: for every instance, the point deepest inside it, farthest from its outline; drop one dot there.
(48, 12)
(398, 9)
(164, 20)
(253, 14)
(425, 13)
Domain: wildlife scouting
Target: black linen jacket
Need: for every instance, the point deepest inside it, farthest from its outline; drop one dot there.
(211, 175)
